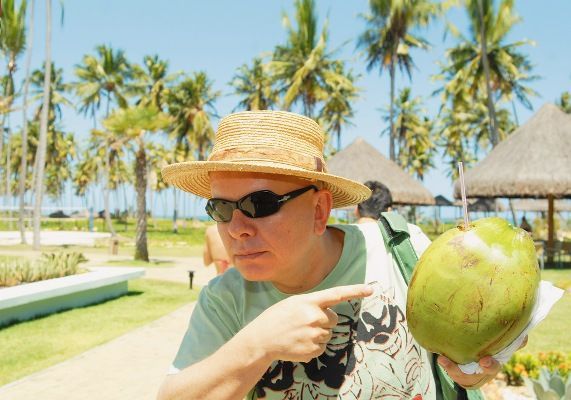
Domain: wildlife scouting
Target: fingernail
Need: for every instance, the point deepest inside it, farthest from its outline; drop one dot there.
(486, 362)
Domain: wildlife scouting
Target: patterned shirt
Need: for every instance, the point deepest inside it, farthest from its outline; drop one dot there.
(371, 355)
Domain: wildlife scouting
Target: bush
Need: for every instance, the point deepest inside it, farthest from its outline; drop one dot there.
(522, 365)
(14, 271)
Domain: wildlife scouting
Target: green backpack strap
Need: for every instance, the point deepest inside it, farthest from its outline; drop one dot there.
(396, 236)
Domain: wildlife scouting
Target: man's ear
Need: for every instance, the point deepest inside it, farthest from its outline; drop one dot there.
(323, 205)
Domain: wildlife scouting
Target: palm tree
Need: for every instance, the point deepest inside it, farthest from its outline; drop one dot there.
(57, 98)
(24, 158)
(464, 129)
(337, 110)
(90, 170)
(565, 102)
(415, 144)
(485, 63)
(60, 147)
(12, 44)
(302, 68)
(254, 86)
(43, 136)
(105, 75)
(191, 104)
(152, 81)
(388, 39)
(131, 126)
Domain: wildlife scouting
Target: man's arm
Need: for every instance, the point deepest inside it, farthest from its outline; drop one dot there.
(230, 373)
(295, 329)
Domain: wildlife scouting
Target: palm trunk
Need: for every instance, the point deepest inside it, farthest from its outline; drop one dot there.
(141, 251)
(392, 150)
(106, 190)
(43, 139)
(8, 172)
(491, 107)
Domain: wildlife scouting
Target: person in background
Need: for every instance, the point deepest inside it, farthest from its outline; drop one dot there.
(526, 226)
(380, 201)
(214, 251)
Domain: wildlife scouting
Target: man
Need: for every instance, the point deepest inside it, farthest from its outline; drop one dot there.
(214, 251)
(380, 201)
(310, 310)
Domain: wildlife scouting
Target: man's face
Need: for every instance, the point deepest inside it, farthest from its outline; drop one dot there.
(275, 248)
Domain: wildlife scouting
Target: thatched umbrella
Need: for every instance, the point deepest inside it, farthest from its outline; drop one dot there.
(362, 162)
(533, 162)
(541, 205)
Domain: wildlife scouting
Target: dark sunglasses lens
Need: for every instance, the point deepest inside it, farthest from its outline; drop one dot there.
(260, 204)
(220, 210)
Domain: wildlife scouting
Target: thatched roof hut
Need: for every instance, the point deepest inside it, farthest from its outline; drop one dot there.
(442, 201)
(362, 162)
(541, 205)
(533, 162)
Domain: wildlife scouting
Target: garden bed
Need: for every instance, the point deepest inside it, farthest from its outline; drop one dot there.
(26, 301)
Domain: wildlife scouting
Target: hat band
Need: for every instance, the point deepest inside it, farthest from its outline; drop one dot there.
(311, 163)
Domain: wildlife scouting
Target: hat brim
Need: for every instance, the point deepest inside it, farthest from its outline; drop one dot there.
(192, 177)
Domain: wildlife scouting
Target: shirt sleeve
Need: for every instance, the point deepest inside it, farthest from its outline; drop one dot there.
(213, 323)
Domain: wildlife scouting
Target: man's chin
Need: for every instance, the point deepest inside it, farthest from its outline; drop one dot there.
(254, 272)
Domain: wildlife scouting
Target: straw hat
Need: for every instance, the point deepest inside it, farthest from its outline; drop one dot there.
(271, 142)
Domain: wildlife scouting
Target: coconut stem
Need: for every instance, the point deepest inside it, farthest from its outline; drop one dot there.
(463, 191)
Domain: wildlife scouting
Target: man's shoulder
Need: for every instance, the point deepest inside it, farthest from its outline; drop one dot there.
(229, 283)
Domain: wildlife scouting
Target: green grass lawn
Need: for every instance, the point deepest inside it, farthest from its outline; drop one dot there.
(30, 346)
(552, 334)
(188, 242)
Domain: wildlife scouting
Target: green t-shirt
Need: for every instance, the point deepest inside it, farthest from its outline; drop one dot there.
(371, 355)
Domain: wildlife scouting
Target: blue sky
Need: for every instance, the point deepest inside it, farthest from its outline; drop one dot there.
(219, 36)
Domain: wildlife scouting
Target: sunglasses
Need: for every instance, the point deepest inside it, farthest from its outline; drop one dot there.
(258, 204)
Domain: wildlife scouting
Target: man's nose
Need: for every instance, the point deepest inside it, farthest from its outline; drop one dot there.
(240, 226)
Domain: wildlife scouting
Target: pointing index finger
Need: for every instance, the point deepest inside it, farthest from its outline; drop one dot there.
(332, 296)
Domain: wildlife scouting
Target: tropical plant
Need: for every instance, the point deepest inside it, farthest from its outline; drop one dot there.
(302, 68)
(191, 104)
(15, 271)
(106, 75)
(414, 135)
(131, 126)
(565, 102)
(337, 111)
(463, 129)
(12, 44)
(254, 86)
(58, 90)
(483, 65)
(151, 81)
(549, 386)
(60, 154)
(389, 37)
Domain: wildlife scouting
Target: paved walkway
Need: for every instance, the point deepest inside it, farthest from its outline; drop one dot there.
(130, 367)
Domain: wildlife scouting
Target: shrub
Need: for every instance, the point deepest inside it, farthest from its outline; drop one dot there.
(14, 271)
(522, 365)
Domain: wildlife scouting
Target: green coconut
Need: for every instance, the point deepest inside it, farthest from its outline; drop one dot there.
(473, 290)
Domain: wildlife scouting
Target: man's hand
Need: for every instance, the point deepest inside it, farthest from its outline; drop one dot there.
(488, 364)
(299, 327)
